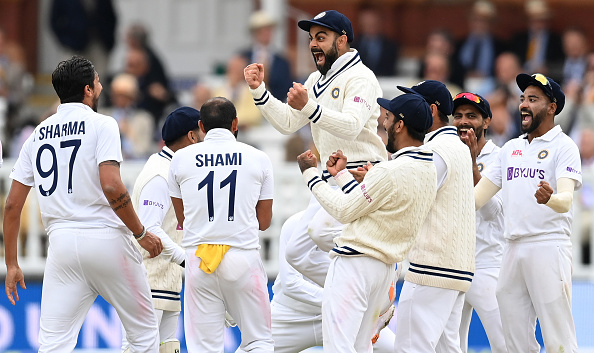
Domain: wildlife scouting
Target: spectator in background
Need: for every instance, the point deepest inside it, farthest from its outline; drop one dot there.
(14, 87)
(478, 51)
(278, 78)
(575, 48)
(586, 199)
(137, 37)
(504, 99)
(377, 51)
(155, 94)
(440, 41)
(136, 125)
(235, 89)
(539, 48)
(86, 28)
(437, 68)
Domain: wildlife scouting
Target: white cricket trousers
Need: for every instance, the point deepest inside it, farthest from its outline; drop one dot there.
(239, 286)
(535, 281)
(355, 293)
(167, 322)
(481, 297)
(82, 264)
(294, 331)
(428, 319)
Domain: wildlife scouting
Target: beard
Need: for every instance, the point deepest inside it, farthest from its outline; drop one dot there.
(95, 104)
(391, 144)
(329, 58)
(537, 119)
(478, 131)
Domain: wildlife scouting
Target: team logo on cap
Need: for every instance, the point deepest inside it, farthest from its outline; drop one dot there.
(320, 15)
(480, 166)
(543, 154)
(335, 92)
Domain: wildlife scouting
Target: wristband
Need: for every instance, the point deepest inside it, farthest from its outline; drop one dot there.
(140, 236)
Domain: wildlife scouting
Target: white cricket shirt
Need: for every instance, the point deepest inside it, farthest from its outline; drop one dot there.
(61, 161)
(519, 169)
(220, 182)
(489, 219)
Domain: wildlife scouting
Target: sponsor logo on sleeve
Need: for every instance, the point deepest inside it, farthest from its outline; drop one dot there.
(364, 190)
(362, 101)
(152, 203)
(572, 170)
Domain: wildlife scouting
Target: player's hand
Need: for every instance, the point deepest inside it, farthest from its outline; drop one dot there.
(336, 162)
(544, 192)
(14, 275)
(360, 173)
(471, 141)
(307, 160)
(152, 244)
(297, 97)
(254, 75)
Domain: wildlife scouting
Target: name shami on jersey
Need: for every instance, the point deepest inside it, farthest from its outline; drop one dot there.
(219, 159)
(59, 130)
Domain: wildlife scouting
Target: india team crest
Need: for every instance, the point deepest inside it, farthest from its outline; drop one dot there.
(335, 92)
(543, 154)
(480, 166)
(320, 15)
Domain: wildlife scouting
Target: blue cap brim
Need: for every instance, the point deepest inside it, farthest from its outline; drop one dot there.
(406, 89)
(384, 103)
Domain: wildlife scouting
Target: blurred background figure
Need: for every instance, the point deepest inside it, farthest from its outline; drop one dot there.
(437, 67)
(86, 28)
(441, 41)
(136, 125)
(505, 99)
(575, 48)
(586, 199)
(479, 49)
(539, 47)
(154, 94)
(15, 86)
(237, 91)
(377, 51)
(277, 76)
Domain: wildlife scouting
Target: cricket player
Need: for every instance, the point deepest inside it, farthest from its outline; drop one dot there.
(442, 258)
(72, 159)
(472, 116)
(222, 192)
(151, 200)
(338, 101)
(383, 215)
(537, 174)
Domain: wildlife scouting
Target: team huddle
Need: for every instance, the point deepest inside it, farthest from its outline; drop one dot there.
(481, 227)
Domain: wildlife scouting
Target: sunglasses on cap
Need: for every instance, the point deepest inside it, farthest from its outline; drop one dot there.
(545, 82)
(470, 96)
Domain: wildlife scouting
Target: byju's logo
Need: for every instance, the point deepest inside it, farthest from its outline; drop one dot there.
(513, 173)
(571, 170)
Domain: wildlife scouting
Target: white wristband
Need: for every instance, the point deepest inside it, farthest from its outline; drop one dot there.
(140, 236)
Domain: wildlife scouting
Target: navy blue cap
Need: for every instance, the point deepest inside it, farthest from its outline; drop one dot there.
(550, 88)
(332, 19)
(412, 108)
(474, 99)
(434, 92)
(179, 122)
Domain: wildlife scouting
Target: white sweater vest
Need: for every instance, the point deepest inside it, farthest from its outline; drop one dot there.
(443, 254)
(165, 277)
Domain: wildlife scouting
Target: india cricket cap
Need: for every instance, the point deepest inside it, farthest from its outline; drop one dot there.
(434, 92)
(332, 19)
(179, 122)
(411, 108)
(550, 88)
(473, 99)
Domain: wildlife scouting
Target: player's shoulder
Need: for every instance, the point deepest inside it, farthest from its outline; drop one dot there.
(247, 148)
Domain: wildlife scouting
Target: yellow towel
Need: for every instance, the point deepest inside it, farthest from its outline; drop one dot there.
(211, 256)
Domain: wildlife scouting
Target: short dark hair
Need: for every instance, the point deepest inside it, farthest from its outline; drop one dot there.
(443, 118)
(217, 112)
(412, 132)
(71, 77)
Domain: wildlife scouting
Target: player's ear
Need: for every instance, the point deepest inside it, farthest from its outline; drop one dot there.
(234, 125)
(201, 126)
